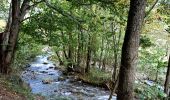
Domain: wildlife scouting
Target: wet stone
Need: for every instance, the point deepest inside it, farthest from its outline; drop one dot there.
(61, 78)
(45, 63)
(47, 81)
(51, 67)
(43, 72)
(51, 74)
(28, 65)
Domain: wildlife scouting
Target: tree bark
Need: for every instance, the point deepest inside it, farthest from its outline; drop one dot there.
(8, 39)
(64, 48)
(70, 54)
(104, 64)
(87, 69)
(79, 48)
(130, 49)
(167, 80)
(115, 47)
(59, 58)
(101, 53)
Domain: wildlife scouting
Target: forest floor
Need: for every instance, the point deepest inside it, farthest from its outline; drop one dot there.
(6, 94)
(13, 90)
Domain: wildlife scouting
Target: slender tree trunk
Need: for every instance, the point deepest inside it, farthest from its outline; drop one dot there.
(101, 53)
(87, 69)
(115, 47)
(115, 77)
(79, 48)
(114, 87)
(130, 50)
(104, 64)
(65, 53)
(157, 72)
(64, 48)
(70, 54)
(59, 58)
(102, 47)
(167, 80)
(147, 13)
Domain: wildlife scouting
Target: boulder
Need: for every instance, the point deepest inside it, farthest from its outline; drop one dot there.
(43, 72)
(45, 63)
(46, 81)
(61, 78)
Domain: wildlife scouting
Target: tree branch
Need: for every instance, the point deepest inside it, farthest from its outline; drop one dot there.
(27, 18)
(107, 1)
(26, 6)
(64, 13)
(147, 13)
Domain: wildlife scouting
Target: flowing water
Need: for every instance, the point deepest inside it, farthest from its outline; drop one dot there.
(44, 79)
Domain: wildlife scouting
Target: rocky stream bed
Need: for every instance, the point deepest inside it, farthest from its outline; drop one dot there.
(43, 78)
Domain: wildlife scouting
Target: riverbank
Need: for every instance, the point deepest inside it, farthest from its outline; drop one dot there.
(12, 88)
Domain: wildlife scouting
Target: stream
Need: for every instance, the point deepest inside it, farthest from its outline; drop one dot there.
(44, 79)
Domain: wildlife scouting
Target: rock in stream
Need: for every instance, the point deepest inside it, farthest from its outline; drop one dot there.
(45, 80)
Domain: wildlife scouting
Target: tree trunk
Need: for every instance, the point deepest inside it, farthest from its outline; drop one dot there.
(114, 87)
(79, 48)
(70, 53)
(167, 80)
(64, 48)
(87, 69)
(9, 38)
(59, 58)
(104, 64)
(157, 72)
(115, 47)
(115, 78)
(101, 53)
(130, 50)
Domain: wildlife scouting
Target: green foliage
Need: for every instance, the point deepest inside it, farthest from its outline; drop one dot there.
(145, 92)
(97, 76)
(153, 54)
(151, 61)
(145, 42)
(101, 25)
(27, 49)
(4, 8)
